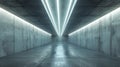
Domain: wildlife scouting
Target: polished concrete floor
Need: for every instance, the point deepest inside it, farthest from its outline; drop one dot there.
(59, 54)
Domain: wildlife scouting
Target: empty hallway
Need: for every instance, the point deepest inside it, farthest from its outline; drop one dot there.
(59, 33)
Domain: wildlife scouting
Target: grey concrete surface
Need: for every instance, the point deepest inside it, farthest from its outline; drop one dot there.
(28, 58)
(102, 35)
(17, 35)
(59, 54)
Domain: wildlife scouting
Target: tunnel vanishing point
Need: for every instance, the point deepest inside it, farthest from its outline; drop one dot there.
(59, 33)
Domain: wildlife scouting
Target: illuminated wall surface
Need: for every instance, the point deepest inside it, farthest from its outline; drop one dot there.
(102, 35)
(17, 35)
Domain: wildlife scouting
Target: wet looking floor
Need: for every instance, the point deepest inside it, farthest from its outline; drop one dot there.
(59, 54)
(60, 58)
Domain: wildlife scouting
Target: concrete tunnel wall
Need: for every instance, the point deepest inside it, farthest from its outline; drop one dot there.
(17, 35)
(102, 35)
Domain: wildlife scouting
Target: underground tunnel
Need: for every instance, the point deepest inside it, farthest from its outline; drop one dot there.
(59, 33)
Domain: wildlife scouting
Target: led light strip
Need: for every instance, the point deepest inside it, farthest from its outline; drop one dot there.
(96, 21)
(57, 24)
(68, 14)
(58, 14)
(49, 12)
(25, 22)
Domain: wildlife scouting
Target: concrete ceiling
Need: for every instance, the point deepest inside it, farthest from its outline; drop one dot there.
(84, 12)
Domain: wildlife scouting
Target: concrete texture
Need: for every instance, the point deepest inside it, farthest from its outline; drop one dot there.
(59, 54)
(102, 35)
(28, 58)
(17, 35)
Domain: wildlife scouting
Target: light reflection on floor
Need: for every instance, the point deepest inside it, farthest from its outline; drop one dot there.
(59, 51)
(59, 59)
(59, 55)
